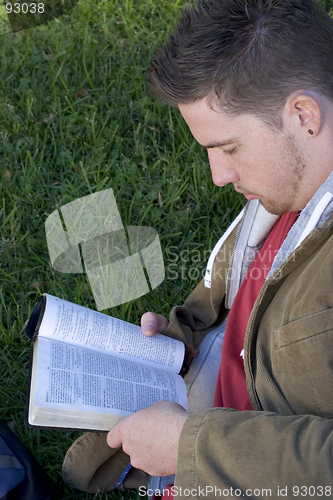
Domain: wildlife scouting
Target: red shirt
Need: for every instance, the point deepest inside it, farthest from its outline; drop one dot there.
(231, 383)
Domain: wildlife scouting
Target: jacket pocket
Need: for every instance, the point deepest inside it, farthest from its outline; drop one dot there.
(304, 328)
(303, 363)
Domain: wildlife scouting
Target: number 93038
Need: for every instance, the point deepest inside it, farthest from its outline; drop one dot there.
(24, 8)
(312, 491)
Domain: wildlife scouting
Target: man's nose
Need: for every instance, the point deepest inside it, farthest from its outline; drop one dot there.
(222, 173)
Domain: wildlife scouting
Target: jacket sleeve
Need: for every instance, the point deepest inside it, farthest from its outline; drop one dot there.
(260, 454)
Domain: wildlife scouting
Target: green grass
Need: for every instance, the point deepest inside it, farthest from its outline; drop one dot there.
(76, 118)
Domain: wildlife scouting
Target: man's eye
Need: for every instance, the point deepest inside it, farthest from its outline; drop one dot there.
(230, 151)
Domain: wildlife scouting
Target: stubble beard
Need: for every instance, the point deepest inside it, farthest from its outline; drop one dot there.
(291, 153)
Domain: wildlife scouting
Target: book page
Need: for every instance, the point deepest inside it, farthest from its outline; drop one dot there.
(74, 378)
(80, 326)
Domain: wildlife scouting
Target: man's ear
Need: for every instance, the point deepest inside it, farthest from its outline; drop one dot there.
(305, 112)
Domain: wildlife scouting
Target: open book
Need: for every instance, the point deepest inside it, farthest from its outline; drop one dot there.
(89, 370)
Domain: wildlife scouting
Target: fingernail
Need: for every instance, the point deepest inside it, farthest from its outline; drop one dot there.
(148, 328)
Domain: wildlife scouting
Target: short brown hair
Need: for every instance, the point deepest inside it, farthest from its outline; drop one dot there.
(250, 55)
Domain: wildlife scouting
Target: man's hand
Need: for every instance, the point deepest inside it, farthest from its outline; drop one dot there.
(152, 323)
(150, 437)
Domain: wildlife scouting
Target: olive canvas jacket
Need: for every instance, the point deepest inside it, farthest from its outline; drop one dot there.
(284, 447)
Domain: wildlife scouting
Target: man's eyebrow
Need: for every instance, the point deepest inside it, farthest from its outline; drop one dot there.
(221, 144)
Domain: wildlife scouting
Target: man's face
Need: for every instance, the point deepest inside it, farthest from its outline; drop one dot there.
(260, 162)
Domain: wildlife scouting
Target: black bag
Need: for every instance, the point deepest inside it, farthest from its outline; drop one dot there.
(21, 476)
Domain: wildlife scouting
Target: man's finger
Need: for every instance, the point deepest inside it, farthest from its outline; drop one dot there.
(152, 323)
(114, 439)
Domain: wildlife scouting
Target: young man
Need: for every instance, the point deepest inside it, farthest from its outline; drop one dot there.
(254, 81)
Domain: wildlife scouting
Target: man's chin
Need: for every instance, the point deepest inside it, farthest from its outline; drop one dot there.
(275, 208)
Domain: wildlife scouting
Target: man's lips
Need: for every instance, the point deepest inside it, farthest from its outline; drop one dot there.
(248, 196)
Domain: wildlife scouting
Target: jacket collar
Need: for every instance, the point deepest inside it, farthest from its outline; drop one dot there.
(255, 223)
(316, 212)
